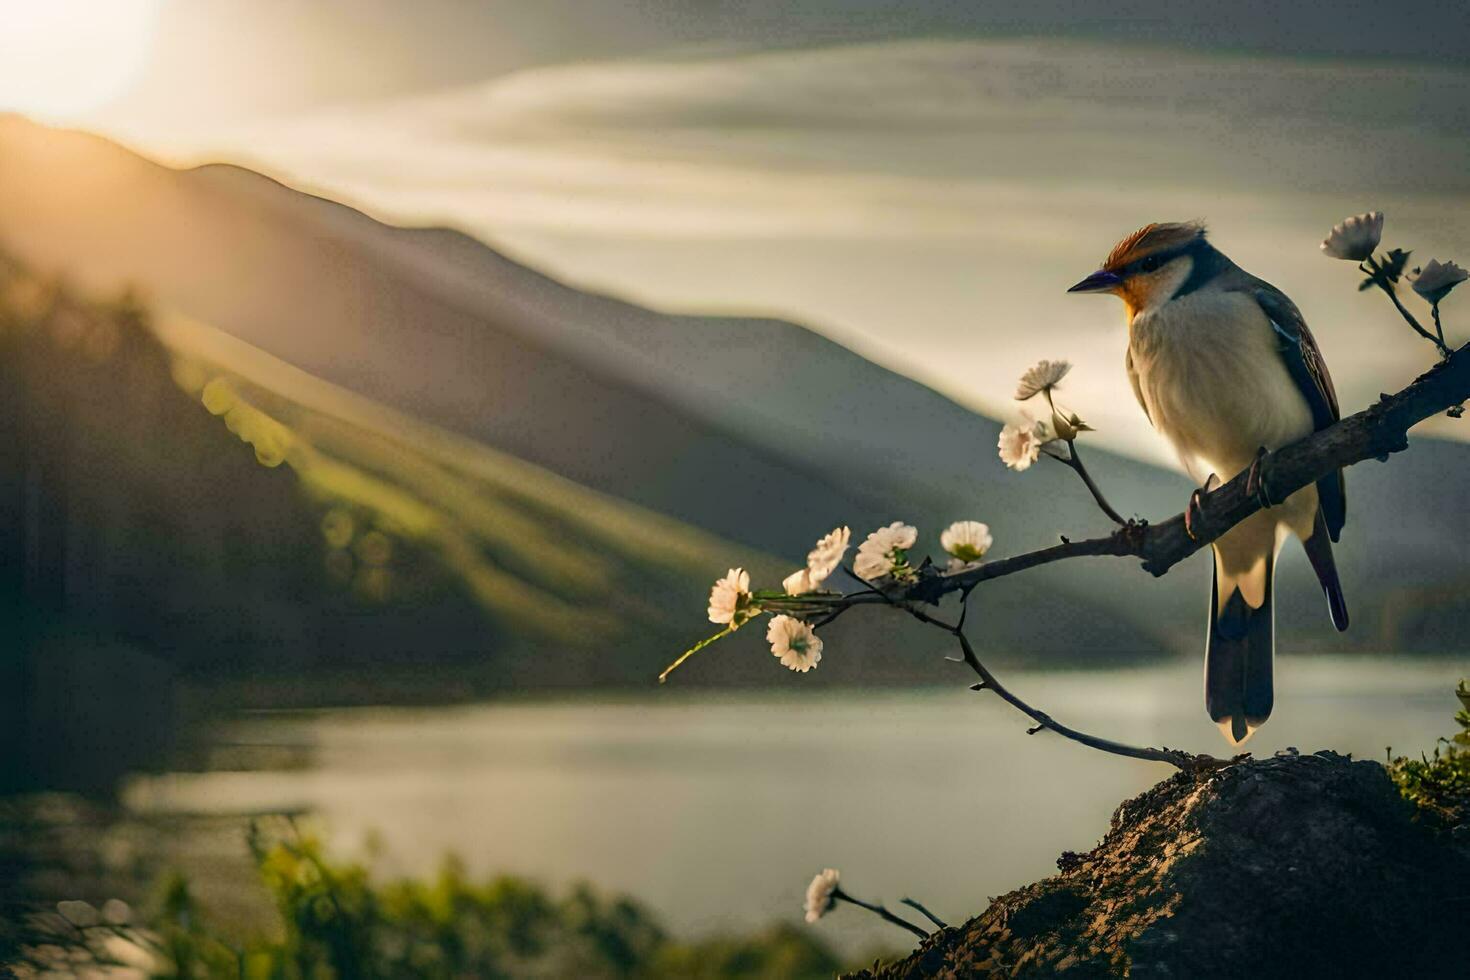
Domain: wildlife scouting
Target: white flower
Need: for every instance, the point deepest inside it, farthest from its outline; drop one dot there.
(883, 551)
(798, 582)
(1355, 238)
(729, 600)
(966, 540)
(822, 560)
(958, 565)
(1436, 279)
(819, 894)
(1043, 376)
(1020, 445)
(796, 643)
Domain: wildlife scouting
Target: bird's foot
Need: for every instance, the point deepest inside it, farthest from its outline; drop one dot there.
(1255, 481)
(1195, 513)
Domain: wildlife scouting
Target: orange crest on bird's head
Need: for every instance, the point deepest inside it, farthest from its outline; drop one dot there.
(1157, 237)
(1151, 265)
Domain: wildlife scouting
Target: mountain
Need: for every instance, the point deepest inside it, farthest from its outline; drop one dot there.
(753, 430)
(166, 514)
(115, 428)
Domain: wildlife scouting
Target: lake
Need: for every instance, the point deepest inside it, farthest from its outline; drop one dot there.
(717, 809)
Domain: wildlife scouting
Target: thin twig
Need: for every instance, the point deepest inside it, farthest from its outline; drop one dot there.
(925, 913)
(988, 681)
(881, 912)
(1174, 757)
(830, 617)
(1389, 291)
(1075, 462)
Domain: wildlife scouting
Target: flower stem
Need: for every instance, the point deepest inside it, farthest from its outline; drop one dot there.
(925, 912)
(1388, 290)
(881, 913)
(693, 650)
(1076, 463)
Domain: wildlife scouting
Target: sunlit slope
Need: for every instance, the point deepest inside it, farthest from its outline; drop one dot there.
(337, 534)
(554, 558)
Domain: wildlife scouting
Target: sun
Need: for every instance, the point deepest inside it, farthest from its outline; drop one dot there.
(61, 59)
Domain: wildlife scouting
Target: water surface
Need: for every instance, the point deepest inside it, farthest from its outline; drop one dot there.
(716, 810)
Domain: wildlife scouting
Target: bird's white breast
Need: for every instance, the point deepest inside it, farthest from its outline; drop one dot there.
(1210, 374)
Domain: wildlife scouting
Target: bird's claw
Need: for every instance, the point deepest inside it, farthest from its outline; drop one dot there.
(1195, 511)
(1190, 513)
(1255, 481)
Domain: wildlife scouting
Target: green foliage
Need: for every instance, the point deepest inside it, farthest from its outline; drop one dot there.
(781, 951)
(1440, 783)
(183, 947)
(335, 922)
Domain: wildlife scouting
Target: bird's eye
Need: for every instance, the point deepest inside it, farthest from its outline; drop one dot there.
(1149, 264)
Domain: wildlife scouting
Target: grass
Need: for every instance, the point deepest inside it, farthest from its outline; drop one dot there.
(1439, 782)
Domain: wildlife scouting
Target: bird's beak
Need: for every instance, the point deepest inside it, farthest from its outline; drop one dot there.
(1100, 281)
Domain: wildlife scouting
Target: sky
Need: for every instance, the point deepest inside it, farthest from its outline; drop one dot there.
(919, 180)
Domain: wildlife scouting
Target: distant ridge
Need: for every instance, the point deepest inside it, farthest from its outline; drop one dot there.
(755, 429)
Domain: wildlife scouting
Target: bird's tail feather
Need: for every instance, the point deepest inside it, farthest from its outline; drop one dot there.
(1319, 553)
(1238, 660)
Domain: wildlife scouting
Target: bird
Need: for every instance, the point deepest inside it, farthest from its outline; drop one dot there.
(1226, 370)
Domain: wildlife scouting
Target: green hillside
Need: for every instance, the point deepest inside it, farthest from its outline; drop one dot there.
(555, 561)
(340, 534)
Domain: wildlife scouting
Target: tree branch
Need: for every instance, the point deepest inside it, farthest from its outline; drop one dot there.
(1373, 433)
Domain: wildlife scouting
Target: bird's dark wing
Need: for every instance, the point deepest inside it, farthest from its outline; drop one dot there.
(1304, 363)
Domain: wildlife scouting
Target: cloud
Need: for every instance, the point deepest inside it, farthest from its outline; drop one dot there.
(894, 137)
(927, 201)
